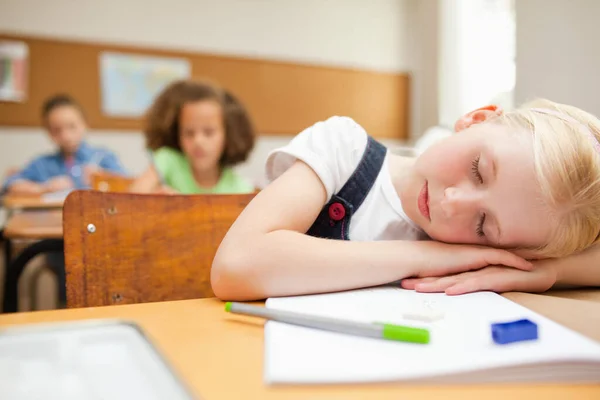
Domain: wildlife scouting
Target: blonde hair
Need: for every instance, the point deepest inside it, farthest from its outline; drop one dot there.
(567, 166)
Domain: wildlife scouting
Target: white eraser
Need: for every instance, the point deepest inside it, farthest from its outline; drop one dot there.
(424, 315)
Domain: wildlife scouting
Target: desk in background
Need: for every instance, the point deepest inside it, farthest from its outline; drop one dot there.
(38, 224)
(43, 224)
(220, 356)
(20, 202)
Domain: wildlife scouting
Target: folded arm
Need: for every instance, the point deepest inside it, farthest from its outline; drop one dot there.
(26, 187)
(581, 269)
(29, 180)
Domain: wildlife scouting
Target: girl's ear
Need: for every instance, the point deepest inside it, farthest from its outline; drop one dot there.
(477, 116)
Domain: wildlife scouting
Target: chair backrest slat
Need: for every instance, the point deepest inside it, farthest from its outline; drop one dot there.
(107, 182)
(123, 248)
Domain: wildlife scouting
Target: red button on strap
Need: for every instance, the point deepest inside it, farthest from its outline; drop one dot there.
(337, 212)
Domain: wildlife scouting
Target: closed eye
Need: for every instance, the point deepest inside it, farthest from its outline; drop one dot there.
(479, 229)
(479, 178)
(475, 169)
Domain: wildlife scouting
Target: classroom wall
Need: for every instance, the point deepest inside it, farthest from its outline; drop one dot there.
(558, 52)
(424, 56)
(348, 33)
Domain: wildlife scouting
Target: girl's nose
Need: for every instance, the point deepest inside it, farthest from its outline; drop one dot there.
(457, 202)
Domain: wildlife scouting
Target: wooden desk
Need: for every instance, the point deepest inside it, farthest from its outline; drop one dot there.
(45, 228)
(220, 356)
(13, 202)
(590, 294)
(39, 224)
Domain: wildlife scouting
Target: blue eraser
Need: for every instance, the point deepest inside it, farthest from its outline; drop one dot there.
(515, 331)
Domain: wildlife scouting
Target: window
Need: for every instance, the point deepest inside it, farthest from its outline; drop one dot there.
(477, 56)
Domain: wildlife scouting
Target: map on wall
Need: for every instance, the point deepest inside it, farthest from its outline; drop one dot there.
(129, 83)
(13, 70)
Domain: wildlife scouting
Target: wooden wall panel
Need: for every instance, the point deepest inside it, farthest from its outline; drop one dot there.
(284, 98)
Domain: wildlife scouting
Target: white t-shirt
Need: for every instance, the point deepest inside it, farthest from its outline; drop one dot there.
(333, 149)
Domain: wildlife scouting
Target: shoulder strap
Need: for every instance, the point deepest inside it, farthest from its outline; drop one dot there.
(362, 179)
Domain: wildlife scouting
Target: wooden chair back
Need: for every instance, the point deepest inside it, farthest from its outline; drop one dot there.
(107, 182)
(124, 248)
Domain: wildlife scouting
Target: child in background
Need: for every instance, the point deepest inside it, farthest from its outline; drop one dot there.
(510, 186)
(198, 132)
(75, 160)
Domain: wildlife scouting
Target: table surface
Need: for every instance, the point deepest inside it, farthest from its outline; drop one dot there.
(34, 224)
(13, 202)
(220, 356)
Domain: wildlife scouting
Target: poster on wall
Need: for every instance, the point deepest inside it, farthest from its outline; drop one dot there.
(14, 57)
(129, 83)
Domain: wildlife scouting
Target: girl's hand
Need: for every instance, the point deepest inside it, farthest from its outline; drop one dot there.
(494, 279)
(164, 189)
(442, 259)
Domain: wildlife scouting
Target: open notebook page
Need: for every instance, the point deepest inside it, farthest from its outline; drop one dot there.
(461, 348)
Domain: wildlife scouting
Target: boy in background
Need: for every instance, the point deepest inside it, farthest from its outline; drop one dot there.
(71, 165)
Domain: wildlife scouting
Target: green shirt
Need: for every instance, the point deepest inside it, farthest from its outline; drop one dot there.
(175, 169)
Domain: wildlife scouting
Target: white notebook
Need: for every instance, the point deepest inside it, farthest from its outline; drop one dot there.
(461, 349)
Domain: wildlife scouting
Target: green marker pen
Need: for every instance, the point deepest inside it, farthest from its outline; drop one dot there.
(375, 330)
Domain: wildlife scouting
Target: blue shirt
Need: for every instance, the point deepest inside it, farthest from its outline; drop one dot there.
(49, 166)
